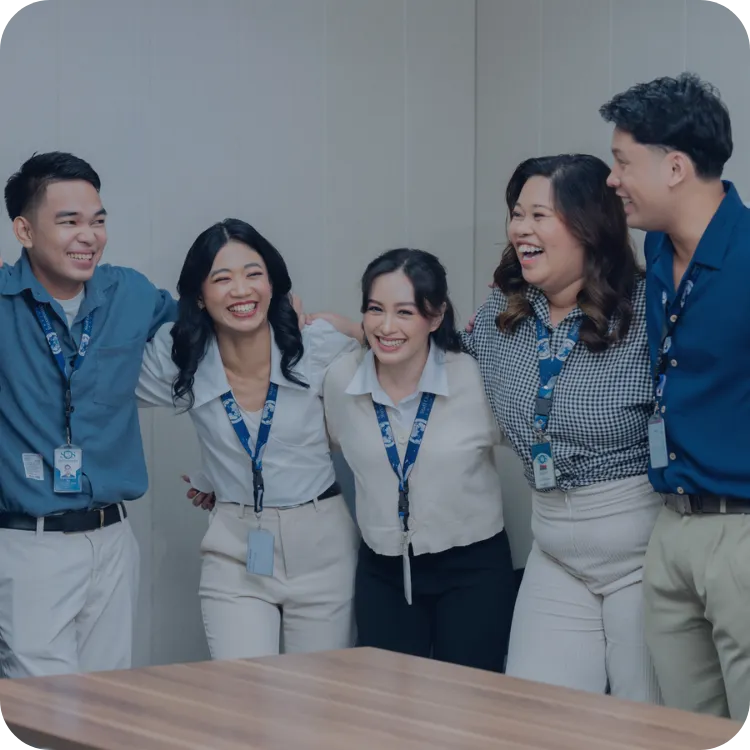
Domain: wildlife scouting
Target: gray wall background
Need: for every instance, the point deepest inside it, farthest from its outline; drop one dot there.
(339, 128)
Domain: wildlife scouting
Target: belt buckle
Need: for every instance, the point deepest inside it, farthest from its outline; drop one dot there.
(680, 504)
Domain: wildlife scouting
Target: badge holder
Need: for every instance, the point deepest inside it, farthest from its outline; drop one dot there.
(544, 465)
(407, 569)
(260, 542)
(68, 470)
(657, 442)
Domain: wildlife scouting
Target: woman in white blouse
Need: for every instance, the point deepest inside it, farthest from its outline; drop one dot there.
(278, 559)
(434, 576)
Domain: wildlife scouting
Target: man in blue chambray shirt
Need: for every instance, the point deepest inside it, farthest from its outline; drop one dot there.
(69, 563)
(671, 141)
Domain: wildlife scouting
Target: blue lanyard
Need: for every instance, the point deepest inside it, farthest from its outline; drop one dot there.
(415, 441)
(549, 370)
(240, 429)
(54, 344)
(671, 318)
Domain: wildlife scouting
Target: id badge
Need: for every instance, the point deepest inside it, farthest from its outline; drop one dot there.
(68, 469)
(260, 552)
(407, 572)
(544, 466)
(657, 443)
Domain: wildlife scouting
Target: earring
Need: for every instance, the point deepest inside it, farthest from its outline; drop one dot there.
(201, 306)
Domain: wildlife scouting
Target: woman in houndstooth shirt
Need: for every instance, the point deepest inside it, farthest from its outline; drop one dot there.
(569, 278)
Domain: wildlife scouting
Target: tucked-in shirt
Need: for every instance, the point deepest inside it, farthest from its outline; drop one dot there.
(127, 309)
(454, 489)
(598, 424)
(707, 396)
(297, 464)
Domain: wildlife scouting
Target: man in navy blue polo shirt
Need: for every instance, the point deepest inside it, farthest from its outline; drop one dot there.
(73, 335)
(671, 141)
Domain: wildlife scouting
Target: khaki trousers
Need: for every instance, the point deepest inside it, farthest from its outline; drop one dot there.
(307, 605)
(697, 604)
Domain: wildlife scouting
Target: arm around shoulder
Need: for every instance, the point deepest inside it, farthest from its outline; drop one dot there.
(158, 371)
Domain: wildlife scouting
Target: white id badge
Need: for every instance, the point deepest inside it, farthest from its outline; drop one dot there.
(544, 466)
(260, 552)
(657, 442)
(407, 574)
(68, 469)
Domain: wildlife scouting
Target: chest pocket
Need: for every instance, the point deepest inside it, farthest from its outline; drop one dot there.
(116, 369)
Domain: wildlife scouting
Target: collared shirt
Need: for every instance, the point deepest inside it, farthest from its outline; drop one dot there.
(598, 426)
(433, 380)
(297, 464)
(71, 306)
(127, 309)
(454, 489)
(707, 396)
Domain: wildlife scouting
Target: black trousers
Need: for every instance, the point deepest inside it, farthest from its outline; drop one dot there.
(462, 603)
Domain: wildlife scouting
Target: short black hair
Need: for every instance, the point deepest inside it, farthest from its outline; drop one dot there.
(684, 113)
(25, 189)
(428, 277)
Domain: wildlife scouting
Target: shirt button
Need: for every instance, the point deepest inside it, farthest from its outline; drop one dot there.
(673, 319)
(673, 363)
(663, 409)
(680, 491)
(672, 456)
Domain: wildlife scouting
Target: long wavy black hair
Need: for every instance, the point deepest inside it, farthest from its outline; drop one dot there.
(194, 329)
(428, 277)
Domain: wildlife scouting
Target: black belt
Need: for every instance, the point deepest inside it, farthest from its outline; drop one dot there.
(332, 491)
(688, 505)
(74, 521)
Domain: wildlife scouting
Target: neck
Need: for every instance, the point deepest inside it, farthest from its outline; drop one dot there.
(57, 288)
(563, 301)
(401, 379)
(245, 354)
(695, 214)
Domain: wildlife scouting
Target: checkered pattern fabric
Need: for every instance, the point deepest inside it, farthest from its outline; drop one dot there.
(598, 424)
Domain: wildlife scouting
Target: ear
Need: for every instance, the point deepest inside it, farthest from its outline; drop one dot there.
(681, 168)
(22, 230)
(437, 320)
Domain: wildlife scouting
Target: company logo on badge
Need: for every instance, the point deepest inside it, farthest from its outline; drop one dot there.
(268, 411)
(543, 349)
(67, 455)
(54, 343)
(85, 338)
(542, 460)
(385, 430)
(233, 411)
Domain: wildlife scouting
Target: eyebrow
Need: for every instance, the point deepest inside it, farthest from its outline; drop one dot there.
(398, 304)
(536, 205)
(73, 214)
(226, 270)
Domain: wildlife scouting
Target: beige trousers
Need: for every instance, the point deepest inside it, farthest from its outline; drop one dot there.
(305, 606)
(67, 601)
(578, 620)
(697, 592)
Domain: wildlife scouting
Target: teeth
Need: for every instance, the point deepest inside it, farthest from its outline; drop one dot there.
(392, 344)
(530, 250)
(243, 308)
(82, 256)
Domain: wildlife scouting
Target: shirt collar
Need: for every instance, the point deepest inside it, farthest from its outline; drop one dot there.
(22, 279)
(211, 381)
(713, 245)
(540, 305)
(434, 378)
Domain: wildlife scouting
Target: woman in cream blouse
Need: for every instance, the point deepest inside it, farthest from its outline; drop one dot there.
(434, 575)
(280, 552)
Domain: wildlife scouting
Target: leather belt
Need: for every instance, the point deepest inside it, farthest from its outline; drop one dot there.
(72, 522)
(702, 504)
(332, 491)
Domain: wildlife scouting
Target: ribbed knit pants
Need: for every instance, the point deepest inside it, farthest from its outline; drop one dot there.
(578, 620)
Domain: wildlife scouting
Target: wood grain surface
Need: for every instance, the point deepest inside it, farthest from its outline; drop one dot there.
(360, 699)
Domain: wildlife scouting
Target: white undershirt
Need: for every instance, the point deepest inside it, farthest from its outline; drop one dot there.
(72, 306)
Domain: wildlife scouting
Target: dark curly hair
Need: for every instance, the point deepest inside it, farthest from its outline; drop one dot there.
(194, 328)
(682, 114)
(427, 276)
(595, 216)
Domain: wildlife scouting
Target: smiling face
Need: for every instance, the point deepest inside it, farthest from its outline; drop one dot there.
(642, 177)
(395, 329)
(65, 236)
(237, 292)
(551, 258)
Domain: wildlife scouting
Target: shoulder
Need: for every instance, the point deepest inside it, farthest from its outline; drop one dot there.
(160, 346)
(341, 372)
(318, 334)
(463, 371)
(127, 279)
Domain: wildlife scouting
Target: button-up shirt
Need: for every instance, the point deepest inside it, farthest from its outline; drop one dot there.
(297, 463)
(598, 425)
(127, 310)
(706, 401)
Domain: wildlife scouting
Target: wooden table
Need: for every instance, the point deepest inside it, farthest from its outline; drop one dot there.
(360, 699)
